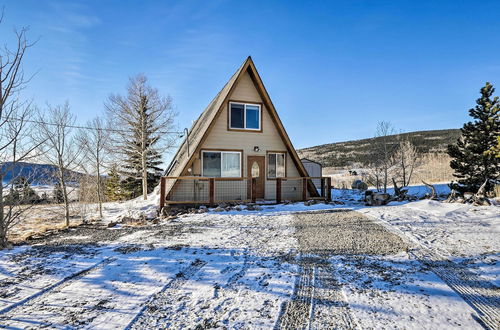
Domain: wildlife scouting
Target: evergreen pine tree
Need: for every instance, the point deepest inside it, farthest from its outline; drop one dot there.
(495, 151)
(112, 186)
(133, 168)
(13, 197)
(57, 194)
(26, 194)
(146, 120)
(471, 159)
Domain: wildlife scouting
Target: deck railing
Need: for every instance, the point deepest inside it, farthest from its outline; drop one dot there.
(210, 191)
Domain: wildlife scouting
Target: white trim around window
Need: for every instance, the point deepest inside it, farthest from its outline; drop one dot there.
(225, 169)
(245, 109)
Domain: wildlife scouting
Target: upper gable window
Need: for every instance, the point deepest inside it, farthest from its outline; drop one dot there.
(244, 116)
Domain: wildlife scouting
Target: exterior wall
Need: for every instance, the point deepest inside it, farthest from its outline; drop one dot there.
(268, 140)
(313, 169)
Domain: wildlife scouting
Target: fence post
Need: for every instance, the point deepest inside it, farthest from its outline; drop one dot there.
(162, 192)
(304, 189)
(253, 190)
(211, 191)
(323, 188)
(278, 190)
(329, 189)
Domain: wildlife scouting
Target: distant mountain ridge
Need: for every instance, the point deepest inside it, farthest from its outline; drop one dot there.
(37, 174)
(343, 154)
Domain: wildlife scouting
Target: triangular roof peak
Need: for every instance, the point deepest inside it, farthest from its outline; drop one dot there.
(202, 126)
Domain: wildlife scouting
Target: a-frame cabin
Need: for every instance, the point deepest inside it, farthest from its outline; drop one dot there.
(238, 137)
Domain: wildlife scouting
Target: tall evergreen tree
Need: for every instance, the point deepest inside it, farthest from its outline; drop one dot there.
(133, 167)
(472, 161)
(27, 194)
(495, 151)
(145, 121)
(112, 186)
(57, 193)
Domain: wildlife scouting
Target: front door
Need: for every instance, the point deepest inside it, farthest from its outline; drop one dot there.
(256, 169)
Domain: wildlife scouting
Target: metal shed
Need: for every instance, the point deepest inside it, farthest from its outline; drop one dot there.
(313, 169)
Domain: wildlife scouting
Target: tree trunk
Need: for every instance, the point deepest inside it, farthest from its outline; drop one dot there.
(403, 167)
(3, 225)
(65, 195)
(143, 158)
(144, 176)
(99, 188)
(397, 190)
(385, 179)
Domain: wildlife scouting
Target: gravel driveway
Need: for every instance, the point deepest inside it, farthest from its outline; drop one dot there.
(344, 232)
(318, 300)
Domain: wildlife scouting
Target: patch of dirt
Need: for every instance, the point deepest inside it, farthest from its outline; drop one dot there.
(95, 234)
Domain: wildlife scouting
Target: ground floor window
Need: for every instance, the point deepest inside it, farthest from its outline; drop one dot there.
(276, 165)
(225, 164)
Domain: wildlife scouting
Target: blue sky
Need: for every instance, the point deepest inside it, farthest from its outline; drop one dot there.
(333, 69)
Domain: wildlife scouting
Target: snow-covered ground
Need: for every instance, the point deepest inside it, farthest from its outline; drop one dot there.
(245, 269)
(466, 234)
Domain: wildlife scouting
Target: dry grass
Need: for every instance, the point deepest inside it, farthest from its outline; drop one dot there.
(435, 168)
(40, 219)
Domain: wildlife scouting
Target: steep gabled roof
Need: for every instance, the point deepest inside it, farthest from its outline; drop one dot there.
(201, 127)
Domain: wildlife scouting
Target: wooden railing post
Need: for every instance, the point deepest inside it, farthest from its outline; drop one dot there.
(162, 192)
(304, 189)
(254, 190)
(278, 190)
(329, 189)
(323, 187)
(211, 191)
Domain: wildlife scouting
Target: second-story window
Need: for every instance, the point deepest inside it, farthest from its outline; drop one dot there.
(244, 116)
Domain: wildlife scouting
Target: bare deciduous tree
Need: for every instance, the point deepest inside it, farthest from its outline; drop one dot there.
(375, 174)
(58, 146)
(12, 78)
(384, 148)
(15, 144)
(95, 145)
(146, 122)
(406, 160)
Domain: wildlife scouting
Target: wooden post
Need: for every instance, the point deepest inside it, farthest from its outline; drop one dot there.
(211, 191)
(329, 189)
(162, 192)
(323, 188)
(254, 190)
(304, 189)
(278, 190)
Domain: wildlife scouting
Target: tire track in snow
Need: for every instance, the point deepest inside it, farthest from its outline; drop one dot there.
(151, 311)
(56, 286)
(317, 300)
(331, 309)
(481, 295)
(155, 312)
